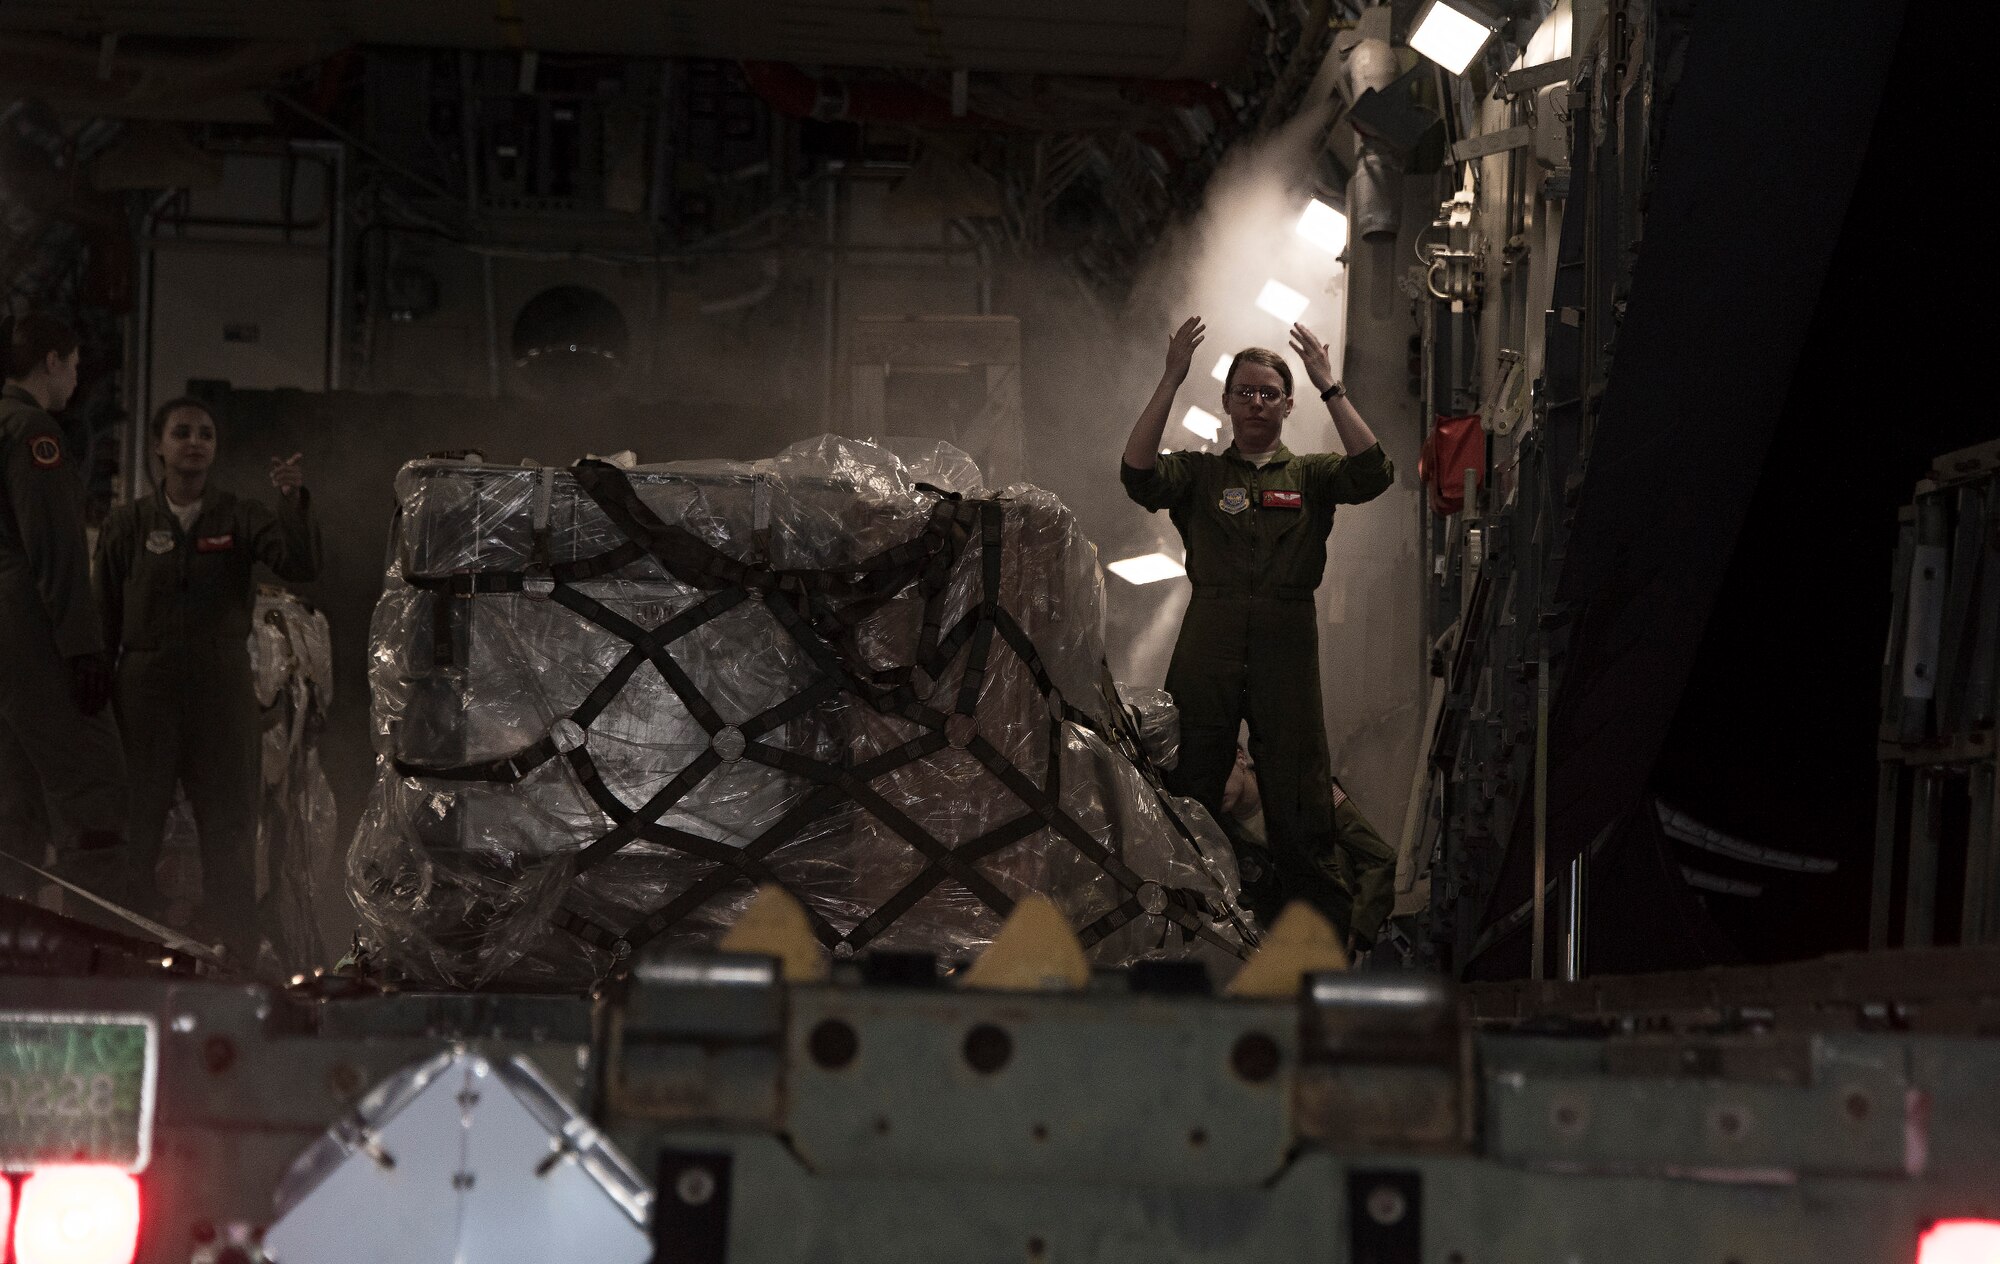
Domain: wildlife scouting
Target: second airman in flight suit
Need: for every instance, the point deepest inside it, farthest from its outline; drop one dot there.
(62, 772)
(176, 579)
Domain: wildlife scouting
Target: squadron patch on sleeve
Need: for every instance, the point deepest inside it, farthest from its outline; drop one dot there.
(45, 452)
(1234, 500)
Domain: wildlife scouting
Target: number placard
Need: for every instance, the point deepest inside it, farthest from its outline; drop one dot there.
(76, 1088)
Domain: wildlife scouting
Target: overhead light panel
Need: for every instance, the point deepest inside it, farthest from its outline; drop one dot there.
(1147, 568)
(1221, 370)
(1450, 34)
(1324, 227)
(1282, 301)
(1203, 423)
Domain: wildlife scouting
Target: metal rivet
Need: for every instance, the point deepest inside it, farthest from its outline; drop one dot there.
(833, 1044)
(729, 743)
(1386, 1205)
(695, 1186)
(1152, 897)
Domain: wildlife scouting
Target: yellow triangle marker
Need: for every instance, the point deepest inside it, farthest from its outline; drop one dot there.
(775, 926)
(1301, 942)
(1034, 952)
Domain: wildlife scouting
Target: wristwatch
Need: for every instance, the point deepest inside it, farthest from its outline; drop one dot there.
(1333, 390)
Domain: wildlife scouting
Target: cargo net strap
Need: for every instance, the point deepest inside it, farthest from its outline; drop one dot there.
(817, 608)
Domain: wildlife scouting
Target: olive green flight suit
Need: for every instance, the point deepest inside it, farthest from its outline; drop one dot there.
(1364, 871)
(179, 605)
(1366, 866)
(62, 773)
(1249, 643)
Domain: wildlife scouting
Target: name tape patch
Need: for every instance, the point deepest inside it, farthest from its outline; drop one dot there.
(215, 543)
(45, 452)
(1284, 500)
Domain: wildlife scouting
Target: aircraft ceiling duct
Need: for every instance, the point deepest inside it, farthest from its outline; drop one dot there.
(1375, 190)
(1165, 39)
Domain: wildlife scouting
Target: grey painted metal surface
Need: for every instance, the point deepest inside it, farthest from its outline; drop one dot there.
(1819, 1112)
(1497, 1146)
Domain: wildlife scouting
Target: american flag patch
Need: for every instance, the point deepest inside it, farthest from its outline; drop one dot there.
(1339, 795)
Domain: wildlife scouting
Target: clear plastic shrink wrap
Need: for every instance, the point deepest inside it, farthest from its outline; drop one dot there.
(609, 704)
(1158, 721)
(291, 667)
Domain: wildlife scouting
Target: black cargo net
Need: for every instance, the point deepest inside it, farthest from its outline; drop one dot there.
(817, 609)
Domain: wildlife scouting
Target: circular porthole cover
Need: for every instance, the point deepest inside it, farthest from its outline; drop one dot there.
(571, 342)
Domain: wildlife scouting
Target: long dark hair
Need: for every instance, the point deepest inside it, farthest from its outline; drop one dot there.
(33, 338)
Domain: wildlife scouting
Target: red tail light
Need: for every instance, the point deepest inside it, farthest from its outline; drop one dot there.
(77, 1215)
(1960, 1242)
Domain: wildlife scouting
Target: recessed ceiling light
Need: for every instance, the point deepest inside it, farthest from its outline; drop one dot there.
(1450, 34)
(1147, 568)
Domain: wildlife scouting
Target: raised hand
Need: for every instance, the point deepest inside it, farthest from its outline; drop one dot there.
(286, 475)
(1181, 348)
(1313, 353)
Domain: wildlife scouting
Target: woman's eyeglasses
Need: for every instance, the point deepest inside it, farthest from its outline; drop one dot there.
(1247, 394)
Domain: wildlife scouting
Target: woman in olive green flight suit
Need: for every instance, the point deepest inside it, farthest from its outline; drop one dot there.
(1255, 519)
(176, 583)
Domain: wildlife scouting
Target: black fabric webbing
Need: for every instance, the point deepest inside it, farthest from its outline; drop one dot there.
(817, 609)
